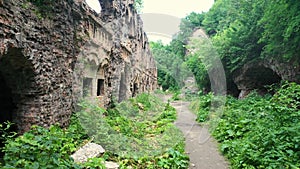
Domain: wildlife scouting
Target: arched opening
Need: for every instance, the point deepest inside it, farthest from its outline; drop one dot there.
(7, 107)
(100, 81)
(259, 77)
(134, 89)
(16, 78)
(100, 84)
(6, 101)
(123, 87)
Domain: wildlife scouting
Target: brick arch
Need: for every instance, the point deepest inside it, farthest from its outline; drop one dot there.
(135, 85)
(16, 88)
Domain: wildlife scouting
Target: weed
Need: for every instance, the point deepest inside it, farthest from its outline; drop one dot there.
(137, 133)
(260, 132)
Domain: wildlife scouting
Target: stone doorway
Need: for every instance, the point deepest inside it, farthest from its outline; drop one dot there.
(7, 107)
(16, 82)
(6, 101)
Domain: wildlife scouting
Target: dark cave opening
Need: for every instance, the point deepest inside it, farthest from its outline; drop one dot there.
(16, 75)
(260, 78)
(6, 101)
(7, 107)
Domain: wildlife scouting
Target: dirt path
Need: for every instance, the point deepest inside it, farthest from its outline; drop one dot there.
(202, 148)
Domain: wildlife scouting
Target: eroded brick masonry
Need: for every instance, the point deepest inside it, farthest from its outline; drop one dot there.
(50, 60)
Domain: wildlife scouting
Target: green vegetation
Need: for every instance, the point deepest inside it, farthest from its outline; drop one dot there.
(201, 106)
(171, 69)
(240, 32)
(44, 148)
(138, 5)
(44, 7)
(258, 132)
(244, 31)
(137, 133)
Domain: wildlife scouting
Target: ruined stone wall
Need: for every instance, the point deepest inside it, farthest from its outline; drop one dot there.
(135, 71)
(48, 62)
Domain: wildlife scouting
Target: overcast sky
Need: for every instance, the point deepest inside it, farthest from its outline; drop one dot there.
(162, 17)
(177, 8)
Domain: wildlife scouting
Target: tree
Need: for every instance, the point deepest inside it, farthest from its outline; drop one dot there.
(221, 15)
(281, 23)
(138, 5)
(172, 71)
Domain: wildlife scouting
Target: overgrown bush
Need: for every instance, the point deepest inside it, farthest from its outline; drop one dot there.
(138, 133)
(42, 148)
(201, 107)
(140, 129)
(262, 132)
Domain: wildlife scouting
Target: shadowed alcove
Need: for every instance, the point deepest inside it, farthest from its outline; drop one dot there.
(16, 76)
(255, 76)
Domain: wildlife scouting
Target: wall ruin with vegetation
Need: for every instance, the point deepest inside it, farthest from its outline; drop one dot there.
(53, 53)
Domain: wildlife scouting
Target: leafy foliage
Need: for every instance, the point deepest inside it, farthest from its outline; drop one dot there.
(217, 18)
(260, 132)
(172, 71)
(42, 148)
(201, 61)
(138, 5)
(188, 25)
(254, 30)
(201, 107)
(243, 32)
(143, 118)
(281, 33)
(44, 7)
(137, 132)
(238, 44)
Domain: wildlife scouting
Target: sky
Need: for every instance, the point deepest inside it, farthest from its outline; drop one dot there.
(177, 8)
(162, 17)
(94, 4)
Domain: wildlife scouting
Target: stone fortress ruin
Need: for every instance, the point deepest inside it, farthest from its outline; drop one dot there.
(48, 62)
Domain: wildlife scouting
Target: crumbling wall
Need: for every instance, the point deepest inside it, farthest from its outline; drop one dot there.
(135, 71)
(47, 61)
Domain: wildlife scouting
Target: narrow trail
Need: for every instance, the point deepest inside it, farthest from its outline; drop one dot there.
(200, 146)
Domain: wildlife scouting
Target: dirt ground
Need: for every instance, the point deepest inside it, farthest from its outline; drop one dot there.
(200, 146)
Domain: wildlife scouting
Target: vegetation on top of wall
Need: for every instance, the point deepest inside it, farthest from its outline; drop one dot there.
(44, 7)
(258, 132)
(138, 5)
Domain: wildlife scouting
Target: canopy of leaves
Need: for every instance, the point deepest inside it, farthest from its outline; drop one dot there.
(251, 30)
(138, 5)
(242, 31)
(281, 23)
(171, 69)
